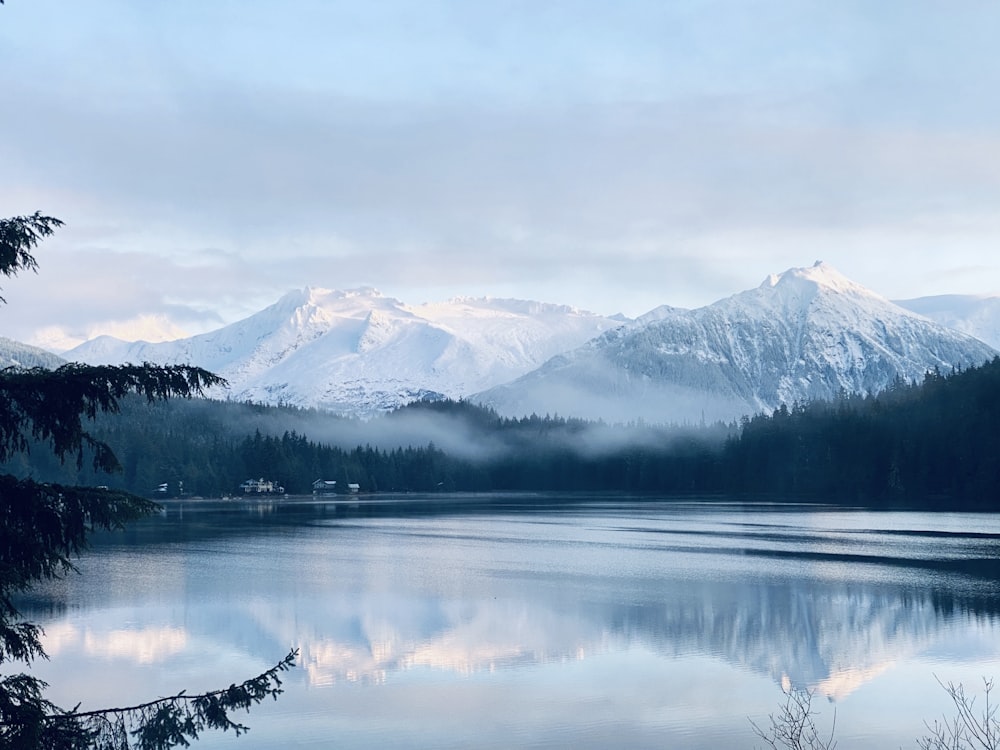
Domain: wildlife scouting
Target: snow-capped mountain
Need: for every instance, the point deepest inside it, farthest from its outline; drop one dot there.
(15, 354)
(974, 315)
(804, 334)
(358, 352)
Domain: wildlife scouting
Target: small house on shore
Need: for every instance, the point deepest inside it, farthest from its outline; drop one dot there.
(261, 487)
(324, 487)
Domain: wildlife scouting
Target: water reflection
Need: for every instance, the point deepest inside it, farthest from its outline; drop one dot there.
(831, 640)
(139, 645)
(831, 601)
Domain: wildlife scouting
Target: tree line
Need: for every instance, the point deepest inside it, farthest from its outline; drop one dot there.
(936, 442)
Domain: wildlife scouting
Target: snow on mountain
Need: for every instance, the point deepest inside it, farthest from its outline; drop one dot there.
(15, 354)
(975, 315)
(359, 352)
(804, 334)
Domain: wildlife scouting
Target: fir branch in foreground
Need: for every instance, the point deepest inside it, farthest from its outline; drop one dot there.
(171, 721)
(50, 405)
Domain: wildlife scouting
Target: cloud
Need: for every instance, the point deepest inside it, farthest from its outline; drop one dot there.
(610, 158)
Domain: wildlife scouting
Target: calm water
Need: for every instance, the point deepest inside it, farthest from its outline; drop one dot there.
(498, 622)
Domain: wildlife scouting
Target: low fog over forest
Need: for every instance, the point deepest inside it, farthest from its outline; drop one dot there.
(934, 442)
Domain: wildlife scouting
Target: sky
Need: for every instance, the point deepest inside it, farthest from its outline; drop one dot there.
(208, 156)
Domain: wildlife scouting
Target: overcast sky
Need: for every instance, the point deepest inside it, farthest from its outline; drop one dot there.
(209, 155)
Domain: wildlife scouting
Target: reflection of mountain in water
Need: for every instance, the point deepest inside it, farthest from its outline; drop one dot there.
(831, 639)
(826, 638)
(826, 608)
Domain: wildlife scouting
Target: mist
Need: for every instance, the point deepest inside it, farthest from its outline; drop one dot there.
(461, 429)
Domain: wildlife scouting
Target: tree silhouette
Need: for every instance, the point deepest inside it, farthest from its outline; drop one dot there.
(44, 526)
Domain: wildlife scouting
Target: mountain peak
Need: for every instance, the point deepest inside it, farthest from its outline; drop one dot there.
(318, 295)
(318, 292)
(819, 275)
(805, 334)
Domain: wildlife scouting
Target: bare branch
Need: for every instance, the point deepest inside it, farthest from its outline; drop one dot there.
(794, 727)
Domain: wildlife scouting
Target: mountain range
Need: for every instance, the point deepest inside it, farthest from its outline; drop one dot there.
(804, 334)
(358, 352)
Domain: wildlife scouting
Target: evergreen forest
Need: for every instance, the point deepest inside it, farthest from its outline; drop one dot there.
(935, 443)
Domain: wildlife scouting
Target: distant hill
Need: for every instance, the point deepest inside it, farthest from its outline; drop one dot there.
(977, 316)
(14, 353)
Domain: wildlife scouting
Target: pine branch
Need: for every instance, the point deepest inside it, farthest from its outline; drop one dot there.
(177, 719)
(19, 235)
(50, 405)
(42, 526)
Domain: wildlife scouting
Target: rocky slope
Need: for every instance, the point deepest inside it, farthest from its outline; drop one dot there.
(805, 334)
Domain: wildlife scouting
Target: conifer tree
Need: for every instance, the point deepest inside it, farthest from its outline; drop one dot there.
(43, 526)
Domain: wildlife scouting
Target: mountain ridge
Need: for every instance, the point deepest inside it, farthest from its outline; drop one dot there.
(16, 354)
(975, 315)
(357, 351)
(802, 334)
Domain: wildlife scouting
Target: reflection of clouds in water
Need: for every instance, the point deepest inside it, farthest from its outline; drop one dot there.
(150, 645)
(450, 605)
(329, 662)
(368, 639)
(841, 684)
(833, 640)
(464, 658)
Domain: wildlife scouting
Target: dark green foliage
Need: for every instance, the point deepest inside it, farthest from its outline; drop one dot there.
(205, 445)
(936, 443)
(19, 235)
(165, 722)
(29, 721)
(43, 526)
(25, 718)
(50, 405)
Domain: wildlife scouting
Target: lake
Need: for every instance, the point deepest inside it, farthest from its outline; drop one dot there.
(533, 621)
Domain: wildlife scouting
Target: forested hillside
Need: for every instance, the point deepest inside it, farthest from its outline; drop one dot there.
(938, 441)
(935, 442)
